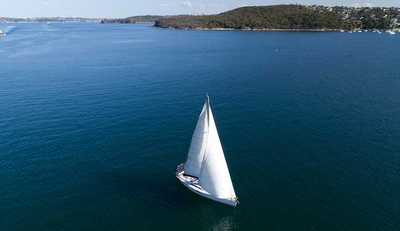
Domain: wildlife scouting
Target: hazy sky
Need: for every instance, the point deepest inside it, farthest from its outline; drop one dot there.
(124, 8)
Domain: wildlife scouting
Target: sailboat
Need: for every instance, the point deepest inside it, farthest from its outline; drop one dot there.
(205, 171)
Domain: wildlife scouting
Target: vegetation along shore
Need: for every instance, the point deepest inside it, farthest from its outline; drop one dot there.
(282, 18)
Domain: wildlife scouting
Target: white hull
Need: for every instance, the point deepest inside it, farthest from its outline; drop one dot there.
(192, 185)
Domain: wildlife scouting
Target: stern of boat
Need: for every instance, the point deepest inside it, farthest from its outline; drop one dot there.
(192, 183)
(179, 169)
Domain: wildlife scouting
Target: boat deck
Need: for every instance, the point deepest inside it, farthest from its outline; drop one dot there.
(188, 180)
(192, 183)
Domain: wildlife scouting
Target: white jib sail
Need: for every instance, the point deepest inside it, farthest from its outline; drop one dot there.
(214, 175)
(197, 146)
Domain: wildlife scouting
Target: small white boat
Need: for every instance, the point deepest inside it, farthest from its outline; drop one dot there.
(391, 32)
(205, 171)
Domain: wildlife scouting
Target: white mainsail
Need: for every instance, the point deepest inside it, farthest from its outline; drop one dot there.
(214, 175)
(205, 171)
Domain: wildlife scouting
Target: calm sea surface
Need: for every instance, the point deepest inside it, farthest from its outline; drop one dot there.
(94, 119)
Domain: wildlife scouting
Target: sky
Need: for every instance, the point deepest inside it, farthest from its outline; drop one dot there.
(125, 8)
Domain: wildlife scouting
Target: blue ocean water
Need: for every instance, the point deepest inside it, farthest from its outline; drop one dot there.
(94, 119)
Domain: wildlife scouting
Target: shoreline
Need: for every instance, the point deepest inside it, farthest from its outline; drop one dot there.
(268, 30)
(277, 29)
(249, 29)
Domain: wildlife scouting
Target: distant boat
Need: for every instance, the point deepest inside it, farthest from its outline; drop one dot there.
(205, 171)
(391, 32)
(8, 30)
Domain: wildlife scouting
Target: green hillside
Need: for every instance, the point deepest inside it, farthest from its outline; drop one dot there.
(290, 17)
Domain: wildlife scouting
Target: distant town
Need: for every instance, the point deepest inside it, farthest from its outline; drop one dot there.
(47, 19)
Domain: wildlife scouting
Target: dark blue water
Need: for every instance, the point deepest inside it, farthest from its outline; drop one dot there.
(94, 119)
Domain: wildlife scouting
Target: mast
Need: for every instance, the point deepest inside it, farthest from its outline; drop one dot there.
(208, 110)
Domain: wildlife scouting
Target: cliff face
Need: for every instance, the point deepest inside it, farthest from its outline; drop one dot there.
(290, 17)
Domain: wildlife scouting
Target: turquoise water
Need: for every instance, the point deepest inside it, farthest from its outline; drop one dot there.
(94, 119)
